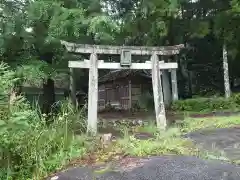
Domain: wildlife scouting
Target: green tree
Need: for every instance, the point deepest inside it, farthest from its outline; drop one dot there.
(75, 21)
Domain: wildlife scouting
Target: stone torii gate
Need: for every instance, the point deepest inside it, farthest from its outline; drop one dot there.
(93, 64)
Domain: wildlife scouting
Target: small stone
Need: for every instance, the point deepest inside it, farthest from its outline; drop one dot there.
(54, 178)
(106, 139)
(143, 136)
(134, 122)
(140, 122)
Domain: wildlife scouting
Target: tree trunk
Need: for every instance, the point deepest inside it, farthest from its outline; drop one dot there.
(185, 90)
(48, 86)
(48, 96)
(189, 84)
(226, 73)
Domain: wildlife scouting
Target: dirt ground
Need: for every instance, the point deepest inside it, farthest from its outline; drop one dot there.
(171, 115)
(126, 115)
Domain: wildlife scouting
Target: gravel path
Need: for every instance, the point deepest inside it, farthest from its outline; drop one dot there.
(226, 140)
(160, 168)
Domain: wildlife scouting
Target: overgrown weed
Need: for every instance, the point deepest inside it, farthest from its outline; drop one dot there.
(172, 141)
(193, 124)
(29, 148)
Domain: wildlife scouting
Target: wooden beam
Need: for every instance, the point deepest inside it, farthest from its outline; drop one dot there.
(158, 94)
(166, 83)
(135, 50)
(113, 65)
(130, 94)
(72, 88)
(174, 85)
(92, 95)
(167, 95)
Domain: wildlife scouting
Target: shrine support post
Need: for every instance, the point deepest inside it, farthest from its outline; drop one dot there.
(174, 84)
(93, 95)
(158, 94)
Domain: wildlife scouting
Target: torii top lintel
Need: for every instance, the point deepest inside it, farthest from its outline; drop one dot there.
(136, 50)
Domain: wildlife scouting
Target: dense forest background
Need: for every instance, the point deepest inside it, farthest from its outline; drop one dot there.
(36, 141)
(31, 32)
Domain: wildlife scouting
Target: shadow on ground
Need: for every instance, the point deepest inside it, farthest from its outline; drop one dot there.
(158, 168)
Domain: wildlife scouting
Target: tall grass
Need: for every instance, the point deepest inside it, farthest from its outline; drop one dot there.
(29, 148)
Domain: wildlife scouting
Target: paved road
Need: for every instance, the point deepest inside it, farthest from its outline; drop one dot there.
(226, 140)
(161, 168)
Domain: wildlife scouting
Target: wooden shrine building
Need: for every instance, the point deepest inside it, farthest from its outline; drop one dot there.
(122, 89)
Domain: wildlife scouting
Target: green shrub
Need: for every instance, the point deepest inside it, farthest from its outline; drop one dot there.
(29, 149)
(236, 98)
(207, 104)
